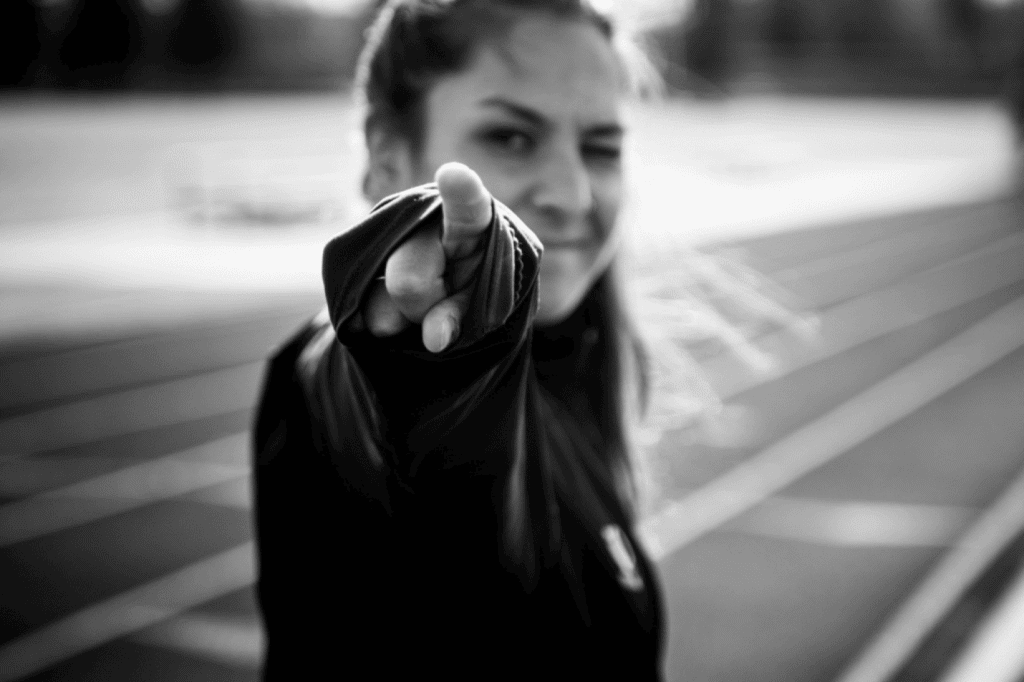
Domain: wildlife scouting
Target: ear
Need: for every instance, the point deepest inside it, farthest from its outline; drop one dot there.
(389, 166)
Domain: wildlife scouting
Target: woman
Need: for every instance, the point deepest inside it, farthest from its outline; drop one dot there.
(443, 481)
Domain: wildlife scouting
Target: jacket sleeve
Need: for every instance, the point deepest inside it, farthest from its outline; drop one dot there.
(450, 429)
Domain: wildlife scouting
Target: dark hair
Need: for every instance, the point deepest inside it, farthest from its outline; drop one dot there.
(413, 43)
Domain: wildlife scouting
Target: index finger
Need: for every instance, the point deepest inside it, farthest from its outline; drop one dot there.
(466, 205)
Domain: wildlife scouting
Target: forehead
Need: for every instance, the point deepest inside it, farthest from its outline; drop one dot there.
(562, 69)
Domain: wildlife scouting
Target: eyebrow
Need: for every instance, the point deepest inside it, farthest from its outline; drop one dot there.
(534, 118)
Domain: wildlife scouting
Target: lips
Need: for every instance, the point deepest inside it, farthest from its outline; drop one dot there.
(569, 235)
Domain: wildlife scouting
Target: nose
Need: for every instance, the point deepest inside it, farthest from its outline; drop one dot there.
(564, 192)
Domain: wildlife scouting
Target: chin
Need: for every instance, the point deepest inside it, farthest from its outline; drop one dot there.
(562, 287)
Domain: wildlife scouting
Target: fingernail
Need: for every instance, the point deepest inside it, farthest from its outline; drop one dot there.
(449, 330)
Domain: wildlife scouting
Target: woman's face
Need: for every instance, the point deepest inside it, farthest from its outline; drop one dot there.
(538, 117)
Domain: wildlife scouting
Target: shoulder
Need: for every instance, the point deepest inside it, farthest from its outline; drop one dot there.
(282, 394)
(298, 347)
(316, 405)
(297, 358)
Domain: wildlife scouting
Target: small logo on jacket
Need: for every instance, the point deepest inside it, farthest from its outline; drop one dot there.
(624, 557)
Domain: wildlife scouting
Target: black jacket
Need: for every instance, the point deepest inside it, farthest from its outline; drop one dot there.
(421, 513)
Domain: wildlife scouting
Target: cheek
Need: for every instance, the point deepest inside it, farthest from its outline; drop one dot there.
(567, 275)
(607, 203)
(504, 185)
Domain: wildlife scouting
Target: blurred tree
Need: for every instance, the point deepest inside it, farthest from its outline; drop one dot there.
(102, 41)
(1013, 91)
(966, 19)
(966, 27)
(786, 31)
(866, 27)
(204, 35)
(706, 41)
(20, 41)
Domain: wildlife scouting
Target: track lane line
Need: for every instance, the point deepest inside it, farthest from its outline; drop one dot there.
(840, 328)
(181, 400)
(996, 653)
(819, 442)
(236, 493)
(123, 364)
(903, 242)
(924, 608)
(237, 642)
(908, 302)
(780, 251)
(116, 492)
(854, 523)
(128, 612)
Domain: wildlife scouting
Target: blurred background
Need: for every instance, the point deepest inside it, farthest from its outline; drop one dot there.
(847, 277)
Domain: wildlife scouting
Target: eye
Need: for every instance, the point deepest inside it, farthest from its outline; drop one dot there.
(602, 153)
(509, 141)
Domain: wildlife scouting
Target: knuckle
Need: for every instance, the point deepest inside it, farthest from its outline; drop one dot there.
(406, 285)
(383, 324)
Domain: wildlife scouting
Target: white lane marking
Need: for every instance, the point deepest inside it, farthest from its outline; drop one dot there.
(914, 242)
(887, 402)
(237, 642)
(854, 523)
(847, 274)
(146, 359)
(128, 612)
(236, 493)
(852, 323)
(172, 402)
(840, 328)
(916, 617)
(119, 491)
(20, 477)
(24, 476)
(996, 653)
